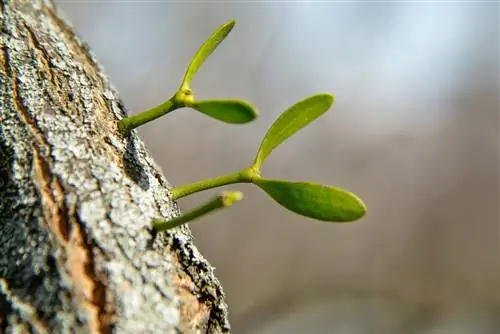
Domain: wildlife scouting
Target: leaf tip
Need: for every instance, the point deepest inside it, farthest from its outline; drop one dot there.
(250, 112)
(225, 29)
(359, 209)
(230, 24)
(327, 98)
(352, 207)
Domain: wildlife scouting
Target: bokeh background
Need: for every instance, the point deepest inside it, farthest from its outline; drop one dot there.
(413, 131)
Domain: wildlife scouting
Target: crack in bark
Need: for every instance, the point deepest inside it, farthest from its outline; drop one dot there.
(89, 292)
(21, 310)
(45, 58)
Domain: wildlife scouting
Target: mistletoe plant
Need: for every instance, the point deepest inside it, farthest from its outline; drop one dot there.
(317, 201)
(229, 111)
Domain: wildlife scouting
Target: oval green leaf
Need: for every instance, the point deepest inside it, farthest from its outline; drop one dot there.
(314, 200)
(206, 50)
(229, 111)
(291, 121)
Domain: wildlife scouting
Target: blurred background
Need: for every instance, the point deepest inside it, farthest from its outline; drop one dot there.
(413, 132)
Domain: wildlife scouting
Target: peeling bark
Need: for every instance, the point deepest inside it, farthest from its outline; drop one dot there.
(77, 198)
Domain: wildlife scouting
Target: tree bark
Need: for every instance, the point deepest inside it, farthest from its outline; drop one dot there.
(76, 250)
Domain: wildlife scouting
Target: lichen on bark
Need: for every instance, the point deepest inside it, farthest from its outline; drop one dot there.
(76, 250)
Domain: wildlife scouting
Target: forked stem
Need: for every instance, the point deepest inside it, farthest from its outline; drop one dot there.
(182, 98)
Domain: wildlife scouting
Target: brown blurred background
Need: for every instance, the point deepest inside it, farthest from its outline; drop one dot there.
(413, 131)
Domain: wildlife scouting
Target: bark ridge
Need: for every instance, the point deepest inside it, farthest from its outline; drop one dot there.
(77, 198)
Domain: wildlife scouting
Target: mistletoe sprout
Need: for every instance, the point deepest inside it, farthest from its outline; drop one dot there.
(226, 110)
(317, 201)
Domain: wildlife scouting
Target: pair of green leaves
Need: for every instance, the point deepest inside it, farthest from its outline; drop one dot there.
(312, 200)
(309, 199)
(231, 111)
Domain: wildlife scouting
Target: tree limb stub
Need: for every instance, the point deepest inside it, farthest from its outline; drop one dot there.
(76, 250)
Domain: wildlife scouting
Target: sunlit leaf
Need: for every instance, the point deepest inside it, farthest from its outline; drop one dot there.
(315, 200)
(229, 111)
(207, 49)
(292, 120)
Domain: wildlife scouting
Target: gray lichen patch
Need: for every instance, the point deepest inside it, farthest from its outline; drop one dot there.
(78, 198)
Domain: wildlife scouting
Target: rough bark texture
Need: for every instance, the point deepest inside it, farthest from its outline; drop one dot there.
(77, 198)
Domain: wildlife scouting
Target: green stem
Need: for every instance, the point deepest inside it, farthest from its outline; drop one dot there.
(245, 176)
(127, 124)
(225, 199)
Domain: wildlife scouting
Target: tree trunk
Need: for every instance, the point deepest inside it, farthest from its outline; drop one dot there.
(76, 250)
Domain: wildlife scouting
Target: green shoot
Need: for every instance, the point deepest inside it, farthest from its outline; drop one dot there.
(312, 200)
(223, 200)
(127, 124)
(226, 110)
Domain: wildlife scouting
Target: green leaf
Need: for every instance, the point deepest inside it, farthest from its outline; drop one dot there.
(206, 50)
(291, 121)
(315, 200)
(229, 111)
